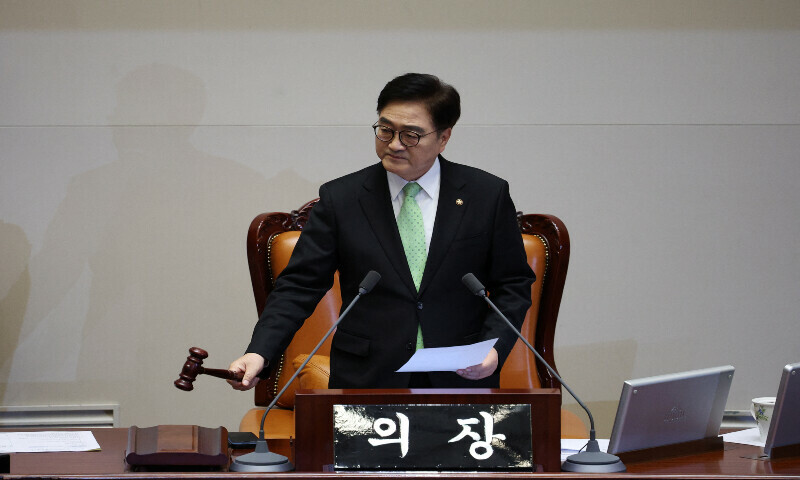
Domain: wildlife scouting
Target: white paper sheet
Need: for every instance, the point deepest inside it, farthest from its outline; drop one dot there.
(24, 442)
(749, 436)
(448, 359)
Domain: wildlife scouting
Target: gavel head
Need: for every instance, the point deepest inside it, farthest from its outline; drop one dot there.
(191, 369)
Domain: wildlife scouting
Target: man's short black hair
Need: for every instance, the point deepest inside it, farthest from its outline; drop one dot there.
(441, 99)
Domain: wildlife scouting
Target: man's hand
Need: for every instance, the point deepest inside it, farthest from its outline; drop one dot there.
(481, 370)
(250, 364)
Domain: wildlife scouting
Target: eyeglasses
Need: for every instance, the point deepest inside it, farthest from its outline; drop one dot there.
(408, 138)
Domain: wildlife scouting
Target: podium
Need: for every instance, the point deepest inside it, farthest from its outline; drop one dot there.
(314, 445)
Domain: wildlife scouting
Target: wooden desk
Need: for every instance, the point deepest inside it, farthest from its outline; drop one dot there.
(735, 462)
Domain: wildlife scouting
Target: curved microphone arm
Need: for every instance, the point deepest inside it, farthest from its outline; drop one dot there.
(367, 284)
(549, 368)
(590, 461)
(476, 287)
(300, 368)
(262, 460)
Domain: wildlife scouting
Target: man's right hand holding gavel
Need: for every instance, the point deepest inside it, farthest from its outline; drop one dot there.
(249, 365)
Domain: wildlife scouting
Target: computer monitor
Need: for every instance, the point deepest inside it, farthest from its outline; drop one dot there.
(784, 428)
(670, 409)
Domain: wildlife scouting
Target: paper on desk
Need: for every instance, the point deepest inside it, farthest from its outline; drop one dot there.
(749, 436)
(24, 442)
(448, 359)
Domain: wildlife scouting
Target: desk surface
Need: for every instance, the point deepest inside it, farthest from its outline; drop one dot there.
(735, 461)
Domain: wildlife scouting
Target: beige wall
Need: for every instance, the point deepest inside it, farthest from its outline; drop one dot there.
(138, 139)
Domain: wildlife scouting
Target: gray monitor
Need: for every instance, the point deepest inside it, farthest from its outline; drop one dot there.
(784, 428)
(670, 409)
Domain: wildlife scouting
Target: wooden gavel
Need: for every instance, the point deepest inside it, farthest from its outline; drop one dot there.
(194, 367)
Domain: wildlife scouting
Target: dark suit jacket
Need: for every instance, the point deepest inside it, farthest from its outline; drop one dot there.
(353, 229)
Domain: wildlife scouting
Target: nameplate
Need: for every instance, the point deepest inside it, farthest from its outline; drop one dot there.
(432, 437)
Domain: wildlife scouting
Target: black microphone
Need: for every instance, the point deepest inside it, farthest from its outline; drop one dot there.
(590, 461)
(262, 460)
(474, 285)
(370, 280)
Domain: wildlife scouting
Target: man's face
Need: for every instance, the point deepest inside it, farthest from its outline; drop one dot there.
(409, 162)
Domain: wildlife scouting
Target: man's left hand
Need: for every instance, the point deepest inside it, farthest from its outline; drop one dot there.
(481, 370)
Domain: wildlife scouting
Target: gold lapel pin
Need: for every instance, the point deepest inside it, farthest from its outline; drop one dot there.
(459, 202)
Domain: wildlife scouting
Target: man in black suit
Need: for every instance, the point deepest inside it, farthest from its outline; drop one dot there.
(421, 238)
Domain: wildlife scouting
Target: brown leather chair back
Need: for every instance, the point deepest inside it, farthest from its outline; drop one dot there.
(270, 243)
(272, 237)
(547, 247)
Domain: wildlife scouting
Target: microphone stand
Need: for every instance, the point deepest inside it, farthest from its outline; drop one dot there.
(590, 461)
(262, 460)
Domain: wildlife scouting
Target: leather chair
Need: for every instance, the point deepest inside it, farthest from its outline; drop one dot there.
(270, 242)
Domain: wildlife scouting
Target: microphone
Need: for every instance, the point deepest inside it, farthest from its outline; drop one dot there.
(590, 461)
(262, 460)
(370, 280)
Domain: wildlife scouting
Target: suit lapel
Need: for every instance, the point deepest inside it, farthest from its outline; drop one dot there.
(449, 214)
(377, 208)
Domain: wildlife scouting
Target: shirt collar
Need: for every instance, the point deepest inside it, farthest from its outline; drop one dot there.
(429, 182)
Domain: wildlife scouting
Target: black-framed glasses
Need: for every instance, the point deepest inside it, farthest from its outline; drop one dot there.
(409, 138)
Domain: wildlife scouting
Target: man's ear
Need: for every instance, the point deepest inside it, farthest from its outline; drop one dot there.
(444, 137)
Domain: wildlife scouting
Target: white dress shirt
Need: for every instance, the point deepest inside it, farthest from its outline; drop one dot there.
(427, 198)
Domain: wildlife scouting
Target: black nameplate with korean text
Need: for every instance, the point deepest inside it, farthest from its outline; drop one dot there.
(432, 437)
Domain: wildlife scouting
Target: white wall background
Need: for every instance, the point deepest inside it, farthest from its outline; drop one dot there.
(139, 138)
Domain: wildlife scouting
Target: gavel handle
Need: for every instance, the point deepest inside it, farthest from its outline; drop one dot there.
(219, 373)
